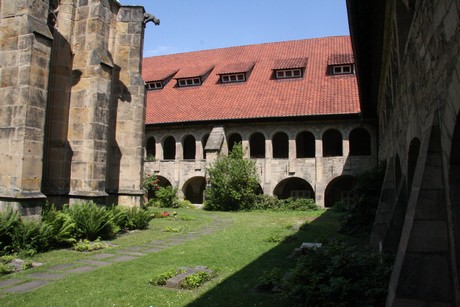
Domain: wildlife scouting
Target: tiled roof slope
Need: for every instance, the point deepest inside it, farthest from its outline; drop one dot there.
(260, 96)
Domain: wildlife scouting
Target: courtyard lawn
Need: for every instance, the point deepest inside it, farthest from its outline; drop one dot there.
(244, 246)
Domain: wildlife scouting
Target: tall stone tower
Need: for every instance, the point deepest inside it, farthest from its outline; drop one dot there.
(71, 102)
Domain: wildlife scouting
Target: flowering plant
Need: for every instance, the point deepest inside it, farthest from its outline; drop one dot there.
(151, 182)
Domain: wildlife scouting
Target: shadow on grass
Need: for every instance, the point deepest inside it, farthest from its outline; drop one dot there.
(240, 288)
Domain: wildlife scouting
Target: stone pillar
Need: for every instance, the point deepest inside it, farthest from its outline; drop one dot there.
(158, 151)
(126, 148)
(318, 148)
(198, 150)
(292, 149)
(245, 144)
(268, 149)
(24, 66)
(90, 98)
(345, 148)
(179, 151)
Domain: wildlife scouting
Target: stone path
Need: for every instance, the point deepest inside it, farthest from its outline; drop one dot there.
(22, 282)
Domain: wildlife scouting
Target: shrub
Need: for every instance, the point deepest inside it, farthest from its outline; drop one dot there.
(166, 197)
(137, 218)
(233, 182)
(362, 213)
(92, 221)
(160, 279)
(269, 279)
(63, 229)
(31, 237)
(339, 275)
(195, 280)
(267, 202)
(9, 220)
(88, 246)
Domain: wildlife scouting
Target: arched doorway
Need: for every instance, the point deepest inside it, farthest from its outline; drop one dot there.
(294, 187)
(169, 148)
(360, 142)
(233, 139)
(305, 145)
(339, 190)
(193, 189)
(257, 145)
(189, 146)
(150, 147)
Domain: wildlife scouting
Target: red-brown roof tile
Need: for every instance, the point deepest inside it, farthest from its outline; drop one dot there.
(290, 63)
(260, 96)
(339, 59)
(234, 68)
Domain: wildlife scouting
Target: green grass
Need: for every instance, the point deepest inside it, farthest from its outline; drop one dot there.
(239, 252)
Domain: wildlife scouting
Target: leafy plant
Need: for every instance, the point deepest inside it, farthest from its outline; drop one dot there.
(88, 246)
(92, 221)
(269, 279)
(31, 237)
(339, 275)
(63, 229)
(138, 218)
(166, 197)
(9, 220)
(272, 203)
(160, 279)
(195, 280)
(233, 182)
(6, 268)
(362, 213)
(174, 229)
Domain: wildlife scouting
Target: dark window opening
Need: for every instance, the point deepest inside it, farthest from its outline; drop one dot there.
(257, 145)
(169, 148)
(232, 140)
(305, 145)
(332, 143)
(280, 144)
(189, 147)
(204, 140)
(360, 142)
(150, 148)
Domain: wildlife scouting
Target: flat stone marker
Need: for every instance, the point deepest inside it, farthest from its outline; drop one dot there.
(94, 262)
(131, 253)
(175, 281)
(61, 267)
(102, 256)
(47, 276)
(82, 269)
(31, 285)
(123, 258)
(9, 282)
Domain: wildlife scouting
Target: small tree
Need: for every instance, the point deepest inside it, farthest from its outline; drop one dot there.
(233, 182)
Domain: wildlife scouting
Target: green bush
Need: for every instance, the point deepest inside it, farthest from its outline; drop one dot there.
(31, 237)
(160, 279)
(92, 221)
(233, 182)
(361, 217)
(166, 197)
(137, 218)
(63, 229)
(339, 275)
(9, 220)
(195, 280)
(88, 246)
(267, 202)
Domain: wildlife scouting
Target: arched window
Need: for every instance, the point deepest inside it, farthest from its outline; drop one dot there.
(150, 148)
(169, 148)
(257, 145)
(280, 144)
(232, 140)
(204, 140)
(189, 147)
(332, 143)
(305, 145)
(360, 142)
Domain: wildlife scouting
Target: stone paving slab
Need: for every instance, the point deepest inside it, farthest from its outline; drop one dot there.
(123, 258)
(153, 250)
(94, 262)
(47, 276)
(31, 285)
(82, 269)
(102, 256)
(61, 267)
(130, 253)
(9, 282)
(134, 248)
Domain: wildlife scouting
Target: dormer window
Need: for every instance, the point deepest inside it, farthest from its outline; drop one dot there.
(289, 73)
(232, 78)
(341, 64)
(290, 68)
(235, 72)
(342, 69)
(157, 85)
(189, 82)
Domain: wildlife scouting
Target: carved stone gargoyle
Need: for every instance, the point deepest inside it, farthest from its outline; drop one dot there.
(149, 17)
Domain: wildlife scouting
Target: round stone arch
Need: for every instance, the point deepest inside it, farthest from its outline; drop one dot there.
(162, 182)
(339, 189)
(193, 189)
(280, 144)
(257, 145)
(294, 187)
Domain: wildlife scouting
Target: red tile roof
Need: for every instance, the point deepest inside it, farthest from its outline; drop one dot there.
(234, 68)
(338, 59)
(260, 96)
(290, 63)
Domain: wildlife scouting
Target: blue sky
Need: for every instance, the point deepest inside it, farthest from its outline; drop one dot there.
(190, 25)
